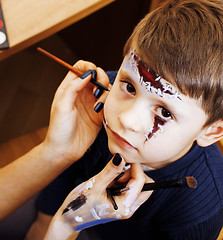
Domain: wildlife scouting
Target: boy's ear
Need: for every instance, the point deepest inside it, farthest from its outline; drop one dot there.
(211, 134)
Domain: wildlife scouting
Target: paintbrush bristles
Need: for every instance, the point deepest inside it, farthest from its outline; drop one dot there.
(191, 182)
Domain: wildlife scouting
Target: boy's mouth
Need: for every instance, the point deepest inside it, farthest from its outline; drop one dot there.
(120, 140)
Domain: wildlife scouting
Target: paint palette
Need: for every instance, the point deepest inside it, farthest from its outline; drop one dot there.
(4, 44)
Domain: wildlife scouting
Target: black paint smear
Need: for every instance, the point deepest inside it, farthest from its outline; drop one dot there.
(75, 204)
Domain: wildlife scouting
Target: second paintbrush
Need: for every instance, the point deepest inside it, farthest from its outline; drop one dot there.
(187, 182)
(71, 68)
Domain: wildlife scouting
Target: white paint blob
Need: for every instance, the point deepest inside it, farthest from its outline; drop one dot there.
(90, 183)
(79, 219)
(2, 37)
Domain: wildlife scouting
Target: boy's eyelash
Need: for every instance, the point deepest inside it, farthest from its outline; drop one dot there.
(171, 116)
(165, 119)
(130, 84)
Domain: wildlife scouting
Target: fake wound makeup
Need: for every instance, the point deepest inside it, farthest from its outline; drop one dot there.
(157, 125)
(153, 82)
(156, 85)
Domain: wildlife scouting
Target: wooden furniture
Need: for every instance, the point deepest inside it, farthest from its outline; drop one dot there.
(16, 147)
(29, 21)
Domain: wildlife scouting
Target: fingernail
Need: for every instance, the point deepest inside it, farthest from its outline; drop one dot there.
(125, 168)
(98, 92)
(98, 107)
(93, 75)
(84, 75)
(117, 159)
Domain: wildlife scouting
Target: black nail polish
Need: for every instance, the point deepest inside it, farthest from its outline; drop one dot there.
(98, 92)
(117, 159)
(98, 107)
(93, 75)
(84, 75)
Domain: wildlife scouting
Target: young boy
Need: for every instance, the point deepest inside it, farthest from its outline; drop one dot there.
(165, 111)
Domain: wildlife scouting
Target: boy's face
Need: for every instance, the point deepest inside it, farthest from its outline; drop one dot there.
(147, 119)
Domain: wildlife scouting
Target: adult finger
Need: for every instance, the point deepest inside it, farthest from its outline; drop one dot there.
(99, 92)
(109, 173)
(82, 66)
(135, 185)
(102, 78)
(65, 97)
(142, 197)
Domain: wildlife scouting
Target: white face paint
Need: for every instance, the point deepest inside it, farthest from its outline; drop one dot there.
(78, 219)
(151, 81)
(156, 85)
(90, 183)
(94, 213)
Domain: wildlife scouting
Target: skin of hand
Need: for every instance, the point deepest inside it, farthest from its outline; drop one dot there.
(89, 204)
(74, 124)
(73, 127)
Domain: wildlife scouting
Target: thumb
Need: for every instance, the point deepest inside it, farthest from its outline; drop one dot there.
(110, 172)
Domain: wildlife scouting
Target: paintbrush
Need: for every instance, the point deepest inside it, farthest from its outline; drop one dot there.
(71, 68)
(187, 182)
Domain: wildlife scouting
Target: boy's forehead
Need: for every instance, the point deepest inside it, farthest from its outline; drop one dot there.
(147, 77)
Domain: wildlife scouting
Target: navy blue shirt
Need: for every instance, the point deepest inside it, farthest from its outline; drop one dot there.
(189, 214)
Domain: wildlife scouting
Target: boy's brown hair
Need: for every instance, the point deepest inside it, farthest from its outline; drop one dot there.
(182, 42)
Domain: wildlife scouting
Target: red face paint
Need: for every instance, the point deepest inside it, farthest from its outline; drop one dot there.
(156, 126)
(149, 76)
(154, 84)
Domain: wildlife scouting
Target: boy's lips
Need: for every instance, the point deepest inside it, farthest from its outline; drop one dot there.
(121, 141)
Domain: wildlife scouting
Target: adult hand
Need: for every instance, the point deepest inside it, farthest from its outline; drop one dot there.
(89, 204)
(74, 124)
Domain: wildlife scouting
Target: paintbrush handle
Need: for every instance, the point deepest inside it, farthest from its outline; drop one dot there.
(182, 182)
(178, 183)
(71, 68)
(56, 59)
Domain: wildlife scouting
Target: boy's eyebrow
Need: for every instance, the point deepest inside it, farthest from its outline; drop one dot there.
(125, 74)
(168, 105)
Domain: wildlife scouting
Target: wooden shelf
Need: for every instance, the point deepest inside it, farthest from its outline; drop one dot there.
(29, 21)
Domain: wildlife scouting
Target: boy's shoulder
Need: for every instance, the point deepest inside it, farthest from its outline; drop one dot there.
(214, 163)
(206, 165)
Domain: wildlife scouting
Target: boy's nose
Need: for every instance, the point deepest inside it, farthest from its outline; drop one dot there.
(135, 118)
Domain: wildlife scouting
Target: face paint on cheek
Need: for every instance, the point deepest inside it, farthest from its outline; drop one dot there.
(76, 204)
(157, 125)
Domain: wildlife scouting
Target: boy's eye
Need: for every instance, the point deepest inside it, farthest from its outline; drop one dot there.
(127, 86)
(164, 113)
